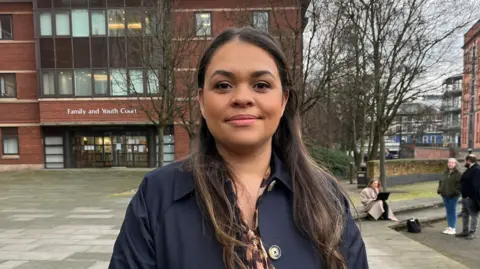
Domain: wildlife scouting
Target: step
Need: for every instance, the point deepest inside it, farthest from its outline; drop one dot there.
(403, 207)
(425, 215)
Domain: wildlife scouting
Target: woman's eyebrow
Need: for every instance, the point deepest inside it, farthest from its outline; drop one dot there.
(231, 75)
(223, 73)
(260, 73)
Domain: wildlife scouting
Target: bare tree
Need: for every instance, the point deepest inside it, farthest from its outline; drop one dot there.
(402, 40)
(166, 49)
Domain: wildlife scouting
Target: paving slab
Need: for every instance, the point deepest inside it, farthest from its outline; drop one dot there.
(69, 219)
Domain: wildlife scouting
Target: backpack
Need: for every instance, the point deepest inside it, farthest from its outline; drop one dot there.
(414, 226)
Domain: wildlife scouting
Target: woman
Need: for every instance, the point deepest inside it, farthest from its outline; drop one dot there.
(449, 189)
(251, 197)
(375, 208)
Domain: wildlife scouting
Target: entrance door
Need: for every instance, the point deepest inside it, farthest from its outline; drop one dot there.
(93, 151)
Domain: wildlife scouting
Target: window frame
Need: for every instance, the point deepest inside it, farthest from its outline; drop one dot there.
(195, 24)
(107, 73)
(44, 71)
(57, 84)
(105, 13)
(4, 137)
(87, 21)
(54, 22)
(268, 19)
(11, 26)
(15, 85)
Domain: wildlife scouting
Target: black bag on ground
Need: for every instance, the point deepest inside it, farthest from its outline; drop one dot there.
(413, 226)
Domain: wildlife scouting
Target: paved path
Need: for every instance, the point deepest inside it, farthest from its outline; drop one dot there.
(459, 249)
(69, 220)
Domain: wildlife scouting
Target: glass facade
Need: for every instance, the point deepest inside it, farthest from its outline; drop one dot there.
(95, 48)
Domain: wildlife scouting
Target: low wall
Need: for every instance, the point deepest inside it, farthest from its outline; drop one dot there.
(431, 153)
(408, 171)
(20, 167)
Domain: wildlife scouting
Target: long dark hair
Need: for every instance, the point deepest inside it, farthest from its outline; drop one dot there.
(318, 201)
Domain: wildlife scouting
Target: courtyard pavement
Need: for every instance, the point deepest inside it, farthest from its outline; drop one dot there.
(69, 220)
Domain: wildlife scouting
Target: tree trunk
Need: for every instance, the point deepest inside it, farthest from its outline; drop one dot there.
(370, 138)
(160, 130)
(382, 160)
(374, 146)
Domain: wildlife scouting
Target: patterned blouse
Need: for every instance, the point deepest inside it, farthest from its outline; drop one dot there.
(255, 254)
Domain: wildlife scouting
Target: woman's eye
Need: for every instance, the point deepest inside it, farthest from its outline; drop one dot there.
(262, 86)
(222, 86)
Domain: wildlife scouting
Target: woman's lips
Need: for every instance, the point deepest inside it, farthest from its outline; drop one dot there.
(242, 120)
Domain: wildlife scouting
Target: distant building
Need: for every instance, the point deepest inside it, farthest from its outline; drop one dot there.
(419, 122)
(68, 67)
(451, 110)
(470, 125)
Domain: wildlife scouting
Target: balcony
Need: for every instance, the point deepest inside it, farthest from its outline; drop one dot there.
(450, 127)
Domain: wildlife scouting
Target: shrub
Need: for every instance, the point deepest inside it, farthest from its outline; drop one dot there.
(334, 160)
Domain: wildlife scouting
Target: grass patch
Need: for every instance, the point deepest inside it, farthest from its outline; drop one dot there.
(405, 192)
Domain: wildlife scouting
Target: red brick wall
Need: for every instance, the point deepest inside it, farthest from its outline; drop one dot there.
(431, 153)
(19, 113)
(23, 27)
(182, 142)
(31, 147)
(17, 56)
(209, 4)
(27, 86)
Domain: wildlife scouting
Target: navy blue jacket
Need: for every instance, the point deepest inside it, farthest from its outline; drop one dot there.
(164, 228)
(470, 182)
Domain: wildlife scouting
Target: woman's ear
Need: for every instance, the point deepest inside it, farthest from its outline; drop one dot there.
(285, 100)
(200, 99)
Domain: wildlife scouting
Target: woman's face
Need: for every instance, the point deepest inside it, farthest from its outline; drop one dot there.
(375, 184)
(242, 100)
(451, 164)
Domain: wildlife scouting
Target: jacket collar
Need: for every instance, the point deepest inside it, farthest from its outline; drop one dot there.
(185, 185)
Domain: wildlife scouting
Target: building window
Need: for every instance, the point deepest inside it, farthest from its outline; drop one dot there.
(134, 22)
(62, 23)
(48, 83)
(83, 83)
(260, 20)
(65, 85)
(8, 86)
(136, 81)
(116, 22)
(6, 31)
(10, 140)
(203, 24)
(153, 82)
(80, 23)
(118, 82)
(98, 22)
(100, 82)
(45, 24)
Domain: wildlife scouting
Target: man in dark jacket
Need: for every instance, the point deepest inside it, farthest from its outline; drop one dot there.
(470, 188)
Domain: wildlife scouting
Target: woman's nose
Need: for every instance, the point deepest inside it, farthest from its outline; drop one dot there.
(243, 96)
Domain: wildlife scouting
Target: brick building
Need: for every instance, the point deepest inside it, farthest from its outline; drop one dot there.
(470, 125)
(61, 105)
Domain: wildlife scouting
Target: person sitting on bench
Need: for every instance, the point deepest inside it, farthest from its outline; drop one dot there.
(375, 202)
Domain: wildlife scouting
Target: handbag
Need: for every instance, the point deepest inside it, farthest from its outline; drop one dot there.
(414, 226)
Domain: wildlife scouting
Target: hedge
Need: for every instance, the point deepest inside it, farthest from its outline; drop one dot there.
(335, 160)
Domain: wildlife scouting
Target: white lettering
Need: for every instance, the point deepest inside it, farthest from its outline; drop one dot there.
(109, 111)
(128, 111)
(98, 111)
(94, 111)
(76, 111)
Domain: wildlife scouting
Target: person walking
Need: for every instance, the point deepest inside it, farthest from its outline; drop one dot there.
(449, 189)
(470, 189)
